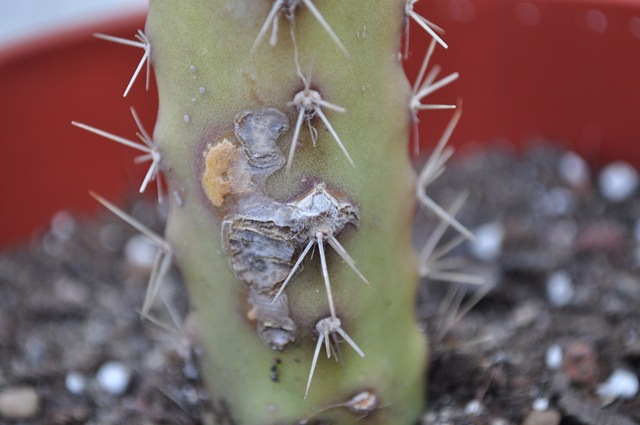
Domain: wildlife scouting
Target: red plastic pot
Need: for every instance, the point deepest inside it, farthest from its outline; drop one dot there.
(46, 164)
(566, 71)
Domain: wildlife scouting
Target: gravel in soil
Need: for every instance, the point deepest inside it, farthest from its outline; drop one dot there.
(552, 338)
(560, 317)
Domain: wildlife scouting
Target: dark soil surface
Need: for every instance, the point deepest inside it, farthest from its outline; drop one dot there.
(562, 314)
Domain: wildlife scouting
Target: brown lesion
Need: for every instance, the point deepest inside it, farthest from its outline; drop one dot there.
(224, 172)
(241, 166)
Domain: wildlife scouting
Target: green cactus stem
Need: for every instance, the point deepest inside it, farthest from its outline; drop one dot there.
(282, 131)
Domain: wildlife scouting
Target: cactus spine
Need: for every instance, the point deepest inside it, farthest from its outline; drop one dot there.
(282, 135)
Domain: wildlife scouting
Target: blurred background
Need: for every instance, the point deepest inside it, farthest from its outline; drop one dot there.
(564, 71)
(25, 20)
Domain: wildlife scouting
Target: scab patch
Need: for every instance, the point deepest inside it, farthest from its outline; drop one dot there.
(274, 326)
(224, 172)
(260, 253)
(258, 132)
(261, 243)
(263, 237)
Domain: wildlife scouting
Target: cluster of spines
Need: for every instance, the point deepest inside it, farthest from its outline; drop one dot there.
(309, 104)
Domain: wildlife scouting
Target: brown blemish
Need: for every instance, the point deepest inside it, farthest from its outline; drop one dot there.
(223, 173)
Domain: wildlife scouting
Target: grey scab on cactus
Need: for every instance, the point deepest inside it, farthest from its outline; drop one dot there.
(260, 235)
(258, 132)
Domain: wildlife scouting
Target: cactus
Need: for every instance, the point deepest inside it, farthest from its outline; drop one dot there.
(281, 135)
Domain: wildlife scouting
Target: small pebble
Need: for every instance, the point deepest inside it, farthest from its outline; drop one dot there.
(71, 292)
(75, 382)
(429, 418)
(621, 384)
(140, 252)
(558, 201)
(187, 118)
(560, 289)
(573, 169)
(474, 407)
(540, 404)
(553, 357)
(562, 233)
(488, 243)
(526, 314)
(202, 90)
(618, 181)
(62, 225)
(548, 417)
(114, 378)
(580, 364)
(19, 403)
